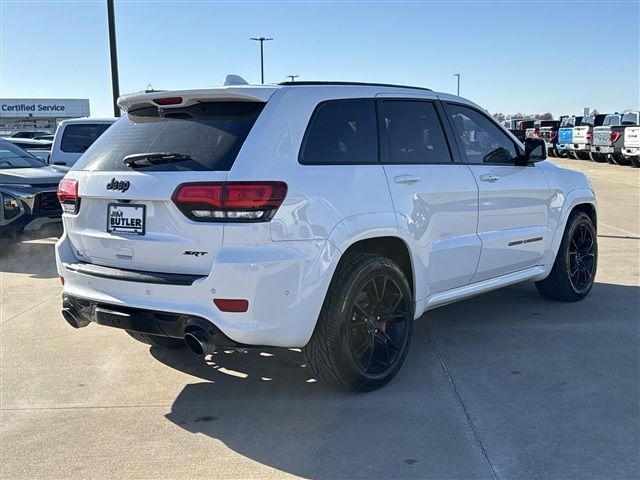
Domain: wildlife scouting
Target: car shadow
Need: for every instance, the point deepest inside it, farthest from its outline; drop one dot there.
(30, 253)
(266, 405)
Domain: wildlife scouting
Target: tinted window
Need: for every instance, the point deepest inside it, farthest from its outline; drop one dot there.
(78, 138)
(211, 133)
(612, 120)
(341, 132)
(482, 141)
(414, 133)
(630, 118)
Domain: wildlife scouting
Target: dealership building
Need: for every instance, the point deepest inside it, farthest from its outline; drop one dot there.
(18, 114)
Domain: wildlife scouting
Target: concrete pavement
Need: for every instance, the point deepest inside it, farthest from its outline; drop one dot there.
(505, 385)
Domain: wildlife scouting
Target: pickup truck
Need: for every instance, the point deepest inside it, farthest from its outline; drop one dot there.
(565, 135)
(548, 131)
(631, 145)
(519, 127)
(603, 139)
(583, 135)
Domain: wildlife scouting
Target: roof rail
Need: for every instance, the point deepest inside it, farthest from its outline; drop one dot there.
(361, 84)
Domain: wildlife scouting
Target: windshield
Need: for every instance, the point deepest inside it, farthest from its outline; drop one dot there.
(12, 156)
(207, 135)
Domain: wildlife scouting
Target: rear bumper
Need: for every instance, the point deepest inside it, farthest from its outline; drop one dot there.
(580, 147)
(603, 149)
(284, 282)
(140, 320)
(631, 152)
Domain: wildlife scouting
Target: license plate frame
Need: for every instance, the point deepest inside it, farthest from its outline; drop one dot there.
(132, 231)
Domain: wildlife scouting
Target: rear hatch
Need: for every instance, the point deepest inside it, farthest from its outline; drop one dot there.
(632, 137)
(580, 134)
(126, 180)
(601, 136)
(565, 135)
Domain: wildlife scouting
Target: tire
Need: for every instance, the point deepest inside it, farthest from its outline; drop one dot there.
(619, 159)
(561, 285)
(596, 157)
(610, 159)
(635, 161)
(561, 153)
(352, 346)
(601, 158)
(156, 340)
(583, 155)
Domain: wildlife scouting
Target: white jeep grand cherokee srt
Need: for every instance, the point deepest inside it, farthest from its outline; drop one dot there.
(326, 216)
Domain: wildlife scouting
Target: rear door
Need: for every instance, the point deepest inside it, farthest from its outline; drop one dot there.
(514, 201)
(127, 218)
(434, 194)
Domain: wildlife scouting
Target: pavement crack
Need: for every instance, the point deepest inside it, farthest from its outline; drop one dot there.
(476, 436)
(27, 310)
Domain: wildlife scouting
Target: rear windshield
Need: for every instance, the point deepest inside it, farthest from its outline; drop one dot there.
(613, 120)
(210, 133)
(77, 138)
(630, 119)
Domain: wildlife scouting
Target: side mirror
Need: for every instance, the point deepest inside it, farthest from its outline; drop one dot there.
(535, 150)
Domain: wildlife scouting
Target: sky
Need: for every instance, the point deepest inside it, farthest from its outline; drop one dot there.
(513, 56)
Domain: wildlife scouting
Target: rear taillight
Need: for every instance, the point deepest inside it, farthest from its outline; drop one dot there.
(536, 133)
(553, 135)
(230, 201)
(589, 136)
(614, 136)
(68, 195)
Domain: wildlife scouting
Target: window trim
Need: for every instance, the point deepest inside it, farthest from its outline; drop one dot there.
(312, 119)
(384, 141)
(461, 149)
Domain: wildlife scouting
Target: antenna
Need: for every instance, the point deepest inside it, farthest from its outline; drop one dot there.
(234, 80)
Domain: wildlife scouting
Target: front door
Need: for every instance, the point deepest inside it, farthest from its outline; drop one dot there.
(514, 201)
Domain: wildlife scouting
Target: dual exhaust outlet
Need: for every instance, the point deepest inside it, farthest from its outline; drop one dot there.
(197, 339)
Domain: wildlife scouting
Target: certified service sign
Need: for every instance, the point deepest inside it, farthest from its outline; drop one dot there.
(44, 108)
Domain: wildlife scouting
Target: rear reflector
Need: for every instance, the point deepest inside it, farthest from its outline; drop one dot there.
(231, 305)
(230, 201)
(68, 195)
(168, 101)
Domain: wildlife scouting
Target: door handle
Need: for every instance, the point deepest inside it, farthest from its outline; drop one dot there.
(406, 179)
(489, 178)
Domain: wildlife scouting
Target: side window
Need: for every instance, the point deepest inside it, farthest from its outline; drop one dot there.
(341, 132)
(414, 133)
(77, 138)
(482, 141)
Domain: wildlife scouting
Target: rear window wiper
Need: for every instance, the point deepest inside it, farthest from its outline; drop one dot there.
(147, 159)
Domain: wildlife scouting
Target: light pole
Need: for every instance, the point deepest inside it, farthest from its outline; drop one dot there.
(261, 40)
(114, 58)
(458, 75)
(293, 77)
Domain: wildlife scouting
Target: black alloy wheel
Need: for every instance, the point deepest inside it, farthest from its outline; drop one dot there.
(582, 258)
(378, 330)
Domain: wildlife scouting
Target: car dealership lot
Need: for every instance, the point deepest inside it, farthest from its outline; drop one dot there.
(506, 385)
